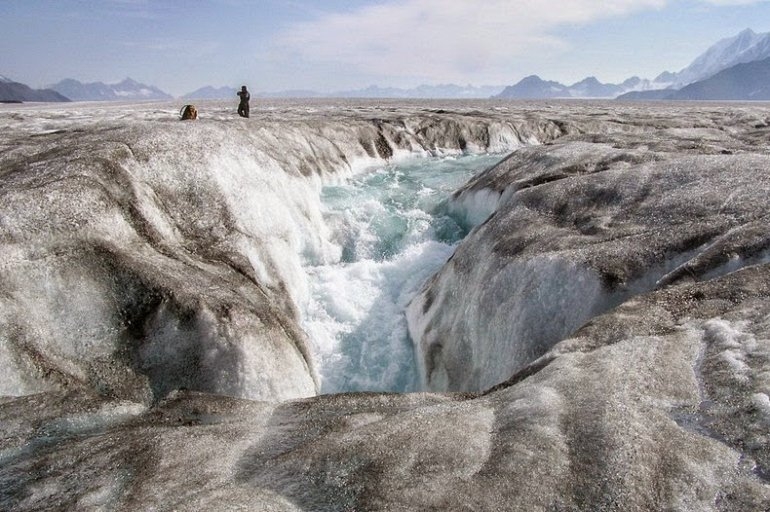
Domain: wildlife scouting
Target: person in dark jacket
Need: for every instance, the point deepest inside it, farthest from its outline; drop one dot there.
(243, 106)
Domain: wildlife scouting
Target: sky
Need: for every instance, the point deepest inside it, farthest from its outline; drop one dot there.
(337, 45)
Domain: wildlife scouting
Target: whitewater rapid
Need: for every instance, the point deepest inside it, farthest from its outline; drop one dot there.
(393, 227)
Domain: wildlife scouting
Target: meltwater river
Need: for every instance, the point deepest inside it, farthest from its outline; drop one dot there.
(394, 231)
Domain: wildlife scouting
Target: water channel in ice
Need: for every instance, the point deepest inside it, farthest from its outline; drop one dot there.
(394, 231)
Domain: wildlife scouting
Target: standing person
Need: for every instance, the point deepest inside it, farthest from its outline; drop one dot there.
(243, 106)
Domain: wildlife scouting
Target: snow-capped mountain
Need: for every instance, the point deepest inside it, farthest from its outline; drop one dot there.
(747, 46)
(128, 89)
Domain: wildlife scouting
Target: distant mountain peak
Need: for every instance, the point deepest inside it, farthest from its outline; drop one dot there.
(630, 83)
(533, 86)
(747, 32)
(5, 79)
(591, 80)
(128, 81)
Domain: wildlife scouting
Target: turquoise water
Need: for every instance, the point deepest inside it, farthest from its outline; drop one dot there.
(394, 233)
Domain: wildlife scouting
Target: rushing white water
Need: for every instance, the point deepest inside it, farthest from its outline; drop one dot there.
(393, 231)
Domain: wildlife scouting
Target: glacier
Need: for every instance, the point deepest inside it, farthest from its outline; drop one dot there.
(588, 306)
(181, 261)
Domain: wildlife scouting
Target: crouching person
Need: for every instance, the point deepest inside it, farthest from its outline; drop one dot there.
(188, 112)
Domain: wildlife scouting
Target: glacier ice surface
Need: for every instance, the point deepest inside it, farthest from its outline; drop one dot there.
(146, 277)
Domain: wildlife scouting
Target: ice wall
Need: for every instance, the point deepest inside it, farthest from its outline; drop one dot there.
(137, 261)
(575, 229)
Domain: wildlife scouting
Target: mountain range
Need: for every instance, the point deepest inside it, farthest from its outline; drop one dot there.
(373, 91)
(727, 55)
(534, 87)
(422, 91)
(733, 68)
(128, 90)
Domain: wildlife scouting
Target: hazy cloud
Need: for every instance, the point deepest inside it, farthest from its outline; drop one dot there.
(446, 39)
(734, 2)
(174, 46)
